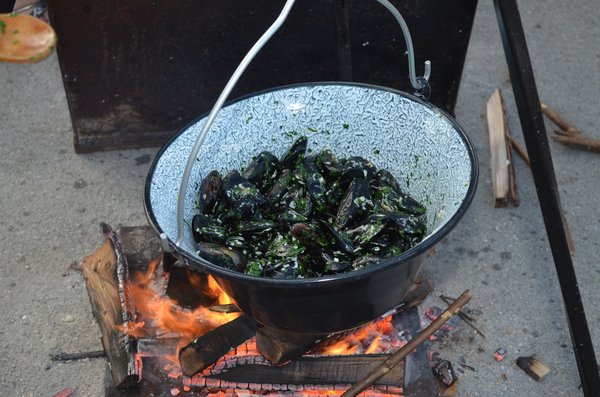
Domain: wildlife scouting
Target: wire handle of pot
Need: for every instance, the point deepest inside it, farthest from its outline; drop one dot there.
(217, 107)
(420, 85)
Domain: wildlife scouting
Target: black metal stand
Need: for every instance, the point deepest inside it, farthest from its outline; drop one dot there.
(534, 131)
(6, 6)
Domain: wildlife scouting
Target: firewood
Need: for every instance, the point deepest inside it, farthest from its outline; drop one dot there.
(208, 348)
(533, 367)
(280, 346)
(104, 273)
(315, 370)
(397, 357)
(569, 135)
(499, 153)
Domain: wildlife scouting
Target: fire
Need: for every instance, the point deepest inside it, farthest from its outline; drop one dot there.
(158, 315)
(375, 337)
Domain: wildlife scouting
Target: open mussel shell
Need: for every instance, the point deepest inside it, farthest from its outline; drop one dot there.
(421, 146)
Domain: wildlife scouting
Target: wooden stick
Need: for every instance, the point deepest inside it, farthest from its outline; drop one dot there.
(567, 128)
(399, 355)
(77, 356)
(520, 150)
(465, 317)
(569, 135)
(514, 191)
(577, 142)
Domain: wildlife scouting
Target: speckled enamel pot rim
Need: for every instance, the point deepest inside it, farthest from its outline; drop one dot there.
(418, 249)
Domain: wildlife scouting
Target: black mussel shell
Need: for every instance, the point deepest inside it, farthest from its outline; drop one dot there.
(406, 224)
(357, 168)
(356, 204)
(338, 239)
(310, 235)
(209, 192)
(295, 153)
(262, 170)
(328, 165)
(280, 186)
(222, 256)
(315, 183)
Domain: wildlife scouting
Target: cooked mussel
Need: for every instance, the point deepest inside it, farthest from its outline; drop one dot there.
(222, 256)
(262, 170)
(209, 192)
(304, 215)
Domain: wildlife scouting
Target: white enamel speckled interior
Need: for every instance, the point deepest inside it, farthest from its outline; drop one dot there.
(421, 146)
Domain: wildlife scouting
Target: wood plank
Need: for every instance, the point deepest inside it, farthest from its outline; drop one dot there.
(499, 159)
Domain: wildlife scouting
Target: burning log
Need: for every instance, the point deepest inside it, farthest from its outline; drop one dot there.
(211, 346)
(105, 272)
(280, 346)
(314, 370)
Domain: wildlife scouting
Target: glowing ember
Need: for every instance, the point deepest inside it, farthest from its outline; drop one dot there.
(373, 338)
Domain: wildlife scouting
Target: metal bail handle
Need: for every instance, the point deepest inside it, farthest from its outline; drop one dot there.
(420, 85)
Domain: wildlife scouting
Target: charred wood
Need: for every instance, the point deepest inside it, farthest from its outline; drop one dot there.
(279, 346)
(208, 348)
(105, 272)
(313, 370)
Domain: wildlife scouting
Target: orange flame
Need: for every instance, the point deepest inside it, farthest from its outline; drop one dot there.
(372, 338)
(159, 314)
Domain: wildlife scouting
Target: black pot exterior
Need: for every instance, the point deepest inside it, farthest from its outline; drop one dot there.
(322, 307)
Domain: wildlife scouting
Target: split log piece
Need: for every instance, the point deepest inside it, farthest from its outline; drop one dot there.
(500, 156)
(105, 272)
(208, 348)
(315, 370)
(399, 355)
(279, 346)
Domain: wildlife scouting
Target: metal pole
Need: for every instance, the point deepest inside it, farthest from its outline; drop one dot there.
(536, 140)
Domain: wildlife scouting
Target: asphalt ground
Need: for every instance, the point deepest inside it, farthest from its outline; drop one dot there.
(52, 201)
